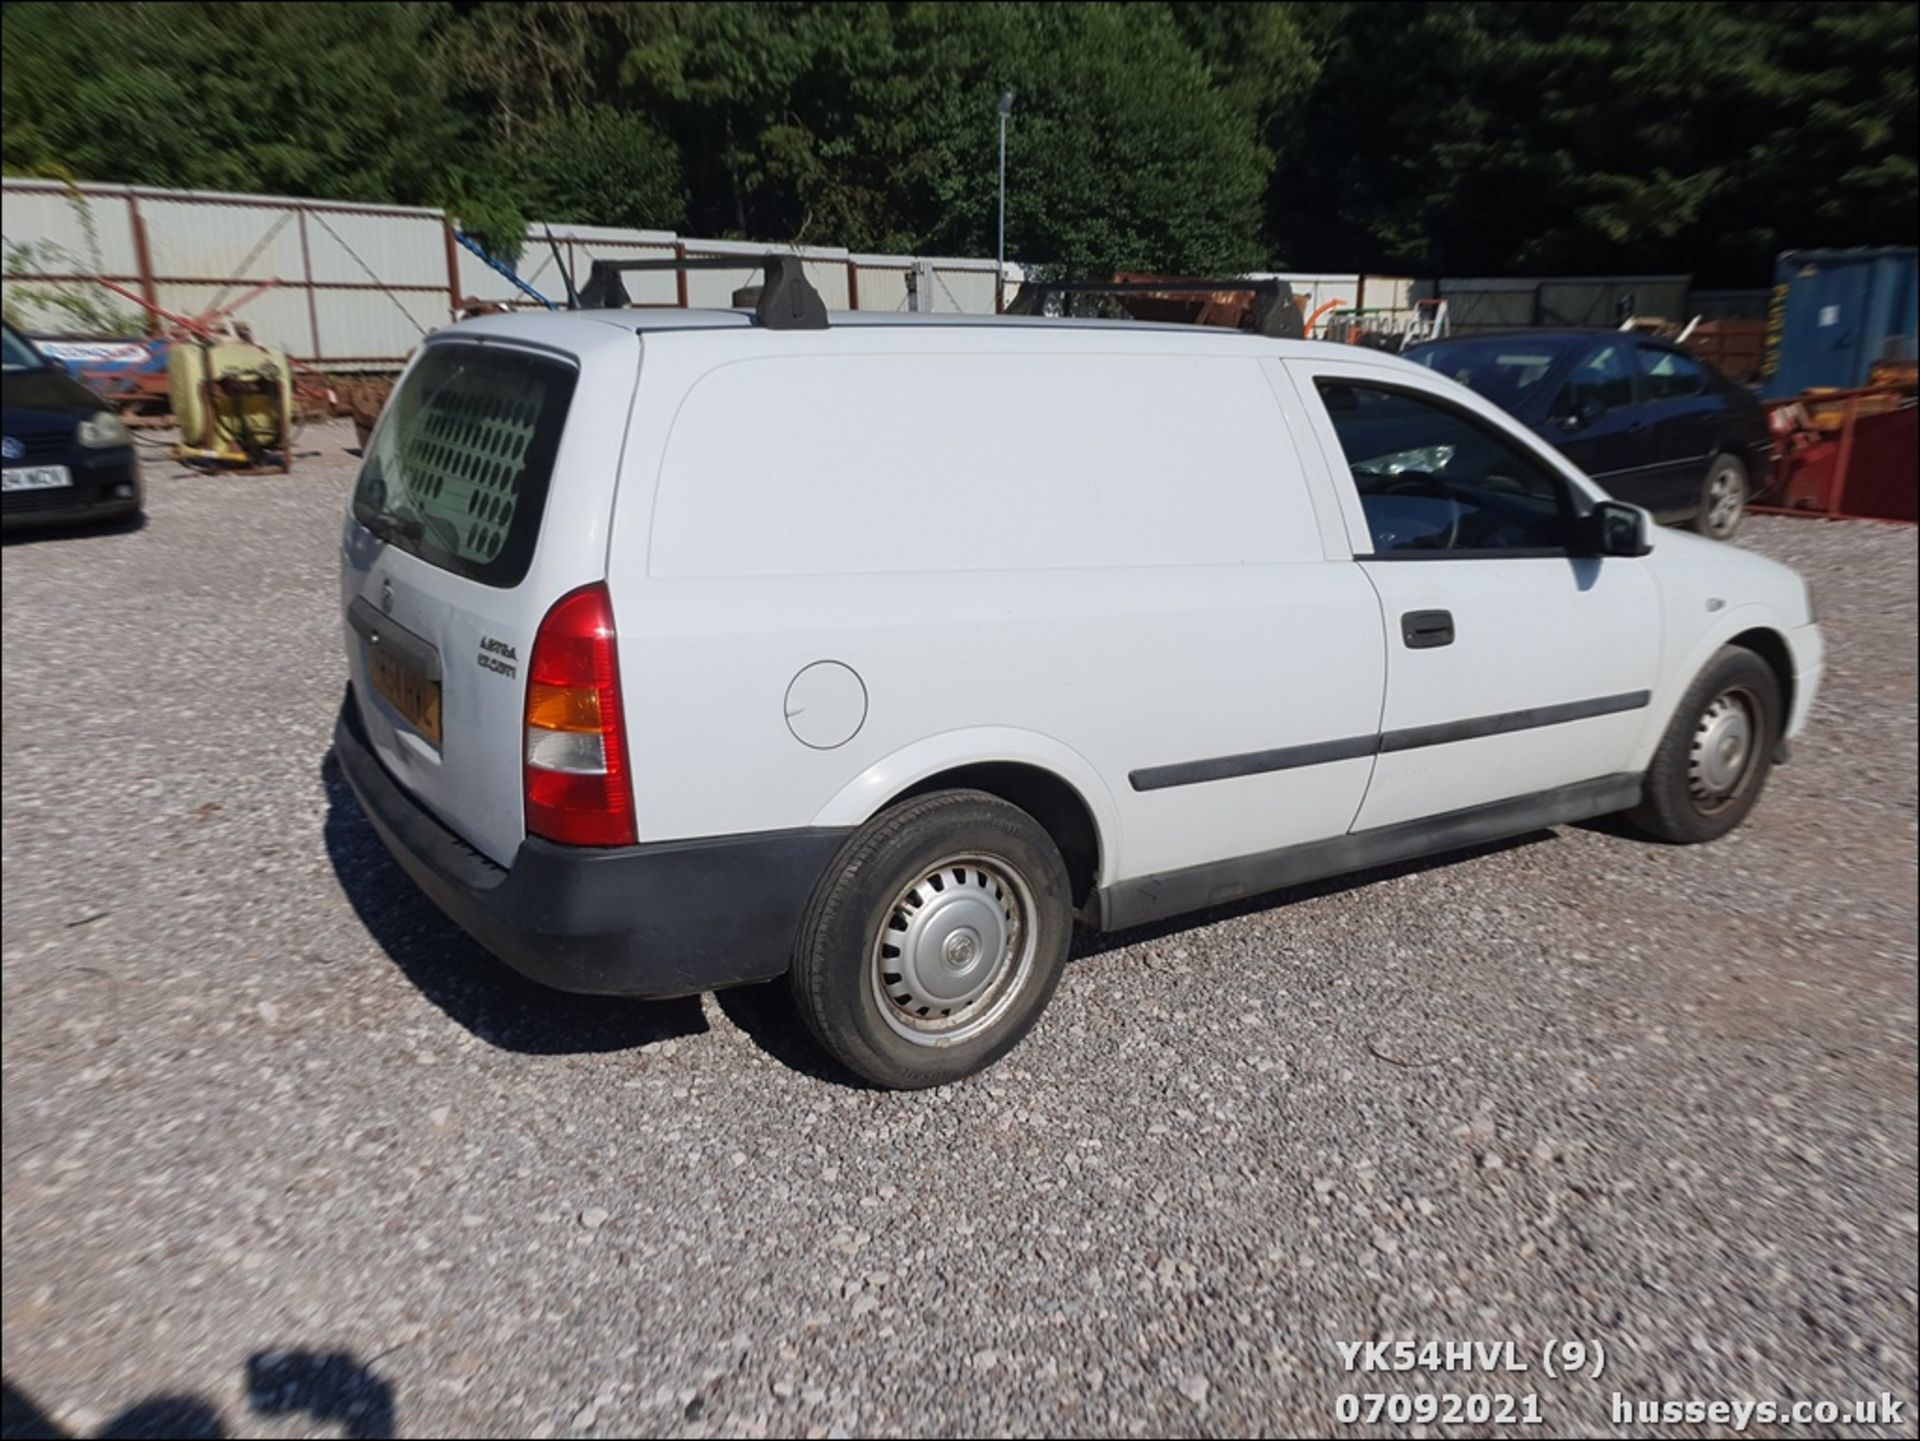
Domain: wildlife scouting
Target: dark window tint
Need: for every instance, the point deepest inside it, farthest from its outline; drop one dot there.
(1669, 375)
(1603, 380)
(457, 471)
(20, 355)
(1431, 479)
(1505, 369)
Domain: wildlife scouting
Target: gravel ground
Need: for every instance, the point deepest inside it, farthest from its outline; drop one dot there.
(286, 1154)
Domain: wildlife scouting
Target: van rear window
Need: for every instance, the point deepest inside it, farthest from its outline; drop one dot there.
(458, 468)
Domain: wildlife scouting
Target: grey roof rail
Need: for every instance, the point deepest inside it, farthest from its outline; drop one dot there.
(787, 301)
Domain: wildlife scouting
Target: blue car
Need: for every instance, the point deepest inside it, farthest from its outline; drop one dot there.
(1654, 425)
(64, 454)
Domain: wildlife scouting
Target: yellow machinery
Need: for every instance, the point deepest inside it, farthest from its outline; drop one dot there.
(233, 402)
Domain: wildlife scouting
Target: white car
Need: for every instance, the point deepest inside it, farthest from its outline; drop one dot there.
(690, 649)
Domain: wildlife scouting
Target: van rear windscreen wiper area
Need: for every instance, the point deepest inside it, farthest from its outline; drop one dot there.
(390, 527)
(457, 471)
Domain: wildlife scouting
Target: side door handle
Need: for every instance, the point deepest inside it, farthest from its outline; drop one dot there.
(1425, 629)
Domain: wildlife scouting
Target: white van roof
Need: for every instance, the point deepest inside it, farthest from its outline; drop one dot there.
(643, 320)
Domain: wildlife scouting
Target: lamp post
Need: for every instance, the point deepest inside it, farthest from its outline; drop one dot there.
(1000, 254)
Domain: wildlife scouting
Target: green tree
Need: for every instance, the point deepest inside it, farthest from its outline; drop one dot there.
(1121, 153)
(1480, 136)
(528, 81)
(757, 94)
(323, 100)
(1502, 137)
(602, 166)
(875, 127)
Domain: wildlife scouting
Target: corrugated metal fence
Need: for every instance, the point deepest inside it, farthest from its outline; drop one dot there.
(845, 280)
(355, 287)
(1603, 301)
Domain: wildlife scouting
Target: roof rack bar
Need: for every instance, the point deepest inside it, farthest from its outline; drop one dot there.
(787, 301)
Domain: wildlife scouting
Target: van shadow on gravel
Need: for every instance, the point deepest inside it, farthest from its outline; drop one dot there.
(766, 1015)
(330, 1388)
(507, 1010)
(48, 534)
(488, 997)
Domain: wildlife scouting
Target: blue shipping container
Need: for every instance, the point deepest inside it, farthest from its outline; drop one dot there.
(1833, 314)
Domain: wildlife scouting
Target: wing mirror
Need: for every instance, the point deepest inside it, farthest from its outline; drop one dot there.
(1587, 409)
(1614, 528)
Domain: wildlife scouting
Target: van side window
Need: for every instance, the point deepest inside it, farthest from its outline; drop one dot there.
(1668, 375)
(1433, 480)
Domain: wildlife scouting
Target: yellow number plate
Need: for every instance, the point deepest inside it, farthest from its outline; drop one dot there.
(409, 692)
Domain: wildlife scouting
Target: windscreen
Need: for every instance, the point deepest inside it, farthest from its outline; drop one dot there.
(458, 468)
(1505, 369)
(18, 354)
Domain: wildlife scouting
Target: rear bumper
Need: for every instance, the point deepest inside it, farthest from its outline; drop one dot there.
(90, 497)
(666, 919)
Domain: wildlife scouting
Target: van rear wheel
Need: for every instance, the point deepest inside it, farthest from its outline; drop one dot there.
(935, 941)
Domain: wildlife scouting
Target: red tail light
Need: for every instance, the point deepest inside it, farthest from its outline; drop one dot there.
(578, 790)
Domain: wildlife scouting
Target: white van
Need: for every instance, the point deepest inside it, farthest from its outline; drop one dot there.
(697, 648)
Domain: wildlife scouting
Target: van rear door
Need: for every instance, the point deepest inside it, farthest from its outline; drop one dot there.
(483, 497)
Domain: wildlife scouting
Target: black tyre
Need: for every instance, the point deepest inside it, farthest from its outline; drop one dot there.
(1714, 760)
(935, 941)
(1723, 498)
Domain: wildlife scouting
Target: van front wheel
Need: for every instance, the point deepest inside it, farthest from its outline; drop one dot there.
(1717, 752)
(935, 941)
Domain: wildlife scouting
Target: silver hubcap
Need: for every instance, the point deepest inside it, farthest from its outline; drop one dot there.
(1726, 493)
(1723, 749)
(954, 949)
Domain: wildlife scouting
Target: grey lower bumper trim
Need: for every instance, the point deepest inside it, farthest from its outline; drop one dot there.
(1153, 898)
